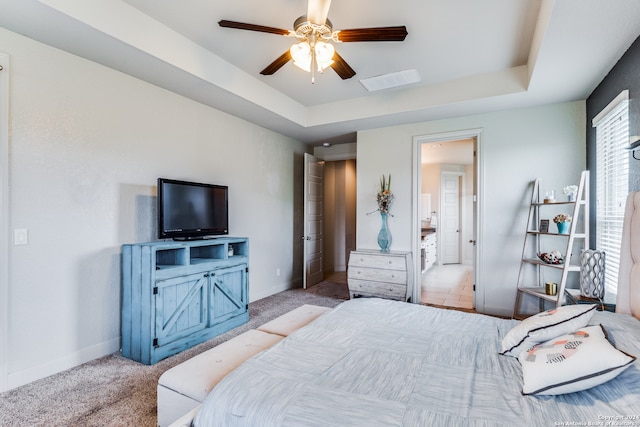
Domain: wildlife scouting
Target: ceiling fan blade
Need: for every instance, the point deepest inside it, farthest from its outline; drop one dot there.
(253, 27)
(380, 34)
(341, 67)
(317, 11)
(277, 64)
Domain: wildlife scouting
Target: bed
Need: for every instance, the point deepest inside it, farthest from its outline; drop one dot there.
(379, 362)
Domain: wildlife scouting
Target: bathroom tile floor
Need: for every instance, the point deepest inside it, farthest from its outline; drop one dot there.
(448, 285)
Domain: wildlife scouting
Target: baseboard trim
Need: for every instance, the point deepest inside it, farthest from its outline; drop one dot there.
(281, 287)
(29, 375)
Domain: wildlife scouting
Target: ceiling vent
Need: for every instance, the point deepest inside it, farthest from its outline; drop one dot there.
(391, 80)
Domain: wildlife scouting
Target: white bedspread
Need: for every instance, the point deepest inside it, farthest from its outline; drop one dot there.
(374, 362)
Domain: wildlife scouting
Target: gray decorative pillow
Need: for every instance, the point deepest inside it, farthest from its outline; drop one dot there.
(544, 326)
(572, 362)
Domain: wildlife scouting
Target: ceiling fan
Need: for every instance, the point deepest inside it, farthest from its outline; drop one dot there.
(314, 33)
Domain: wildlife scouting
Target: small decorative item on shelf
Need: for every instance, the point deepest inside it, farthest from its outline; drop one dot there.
(570, 191)
(563, 221)
(551, 288)
(550, 196)
(592, 273)
(384, 198)
(544, 225)
(553, 257)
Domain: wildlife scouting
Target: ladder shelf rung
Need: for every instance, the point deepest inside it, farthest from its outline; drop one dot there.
(536, 261)
(554, 203)
(539, 292)
(575, 235)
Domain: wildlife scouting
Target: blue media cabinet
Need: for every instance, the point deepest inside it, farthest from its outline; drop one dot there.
(178, 294)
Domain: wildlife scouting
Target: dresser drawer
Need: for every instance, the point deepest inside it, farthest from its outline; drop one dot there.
(377, 261)
(378, 274)
(377, 289)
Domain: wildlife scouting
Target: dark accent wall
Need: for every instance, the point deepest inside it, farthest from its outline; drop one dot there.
(624, 75)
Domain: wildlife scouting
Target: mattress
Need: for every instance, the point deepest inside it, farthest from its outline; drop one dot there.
(388, 363)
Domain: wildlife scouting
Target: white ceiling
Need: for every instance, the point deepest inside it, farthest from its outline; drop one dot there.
(473, 56)
(458, 152)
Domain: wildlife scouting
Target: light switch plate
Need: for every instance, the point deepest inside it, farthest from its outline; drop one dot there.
(20, 236)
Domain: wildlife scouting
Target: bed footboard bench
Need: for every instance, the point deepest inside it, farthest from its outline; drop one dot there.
(182, 388)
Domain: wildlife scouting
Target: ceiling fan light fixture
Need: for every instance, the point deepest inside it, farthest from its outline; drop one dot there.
(324, 55)
(301, 54)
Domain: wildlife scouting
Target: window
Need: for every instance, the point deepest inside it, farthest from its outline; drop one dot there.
(612, 182)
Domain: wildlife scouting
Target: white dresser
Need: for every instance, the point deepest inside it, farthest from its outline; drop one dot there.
(374, 273)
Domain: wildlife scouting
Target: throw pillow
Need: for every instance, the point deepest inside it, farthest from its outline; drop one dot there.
(572, 362)
(544, 326)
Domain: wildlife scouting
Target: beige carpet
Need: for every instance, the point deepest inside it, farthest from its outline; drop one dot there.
(115, 391)
(334, 287)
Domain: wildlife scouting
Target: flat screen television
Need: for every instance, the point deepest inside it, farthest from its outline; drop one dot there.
(191, 210)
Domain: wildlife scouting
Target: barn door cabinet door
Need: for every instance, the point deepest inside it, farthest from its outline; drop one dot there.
(228, 297)
(180, 308)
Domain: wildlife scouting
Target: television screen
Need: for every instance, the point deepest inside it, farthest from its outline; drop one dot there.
(189, 210)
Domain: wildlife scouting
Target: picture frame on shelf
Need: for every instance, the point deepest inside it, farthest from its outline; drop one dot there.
(544, 225)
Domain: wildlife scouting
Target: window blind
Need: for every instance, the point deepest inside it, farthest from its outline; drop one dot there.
(612, 185)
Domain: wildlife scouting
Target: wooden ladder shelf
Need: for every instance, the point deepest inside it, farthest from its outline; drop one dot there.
(534, 272)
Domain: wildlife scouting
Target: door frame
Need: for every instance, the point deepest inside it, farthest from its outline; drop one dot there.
(4, 221)
(478, 294)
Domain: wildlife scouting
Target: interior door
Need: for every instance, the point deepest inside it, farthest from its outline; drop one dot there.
(450, 227)
(313, 221)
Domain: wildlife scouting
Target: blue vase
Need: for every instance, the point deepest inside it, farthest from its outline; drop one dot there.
(563, 227)
(384, 237)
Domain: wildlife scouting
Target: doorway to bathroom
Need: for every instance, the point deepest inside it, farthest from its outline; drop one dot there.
(448, 219)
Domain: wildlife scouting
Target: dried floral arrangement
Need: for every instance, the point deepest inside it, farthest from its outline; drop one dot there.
(385, 196)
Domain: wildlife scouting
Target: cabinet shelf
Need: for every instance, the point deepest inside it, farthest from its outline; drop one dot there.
(531, 267)
(195, 261)
(168, 257)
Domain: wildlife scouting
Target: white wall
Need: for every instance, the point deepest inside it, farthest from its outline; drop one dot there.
(516, 146)
(87, 144)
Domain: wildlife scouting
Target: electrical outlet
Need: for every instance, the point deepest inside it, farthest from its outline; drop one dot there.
(278, 272)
